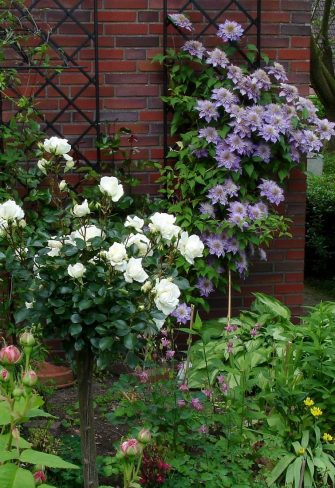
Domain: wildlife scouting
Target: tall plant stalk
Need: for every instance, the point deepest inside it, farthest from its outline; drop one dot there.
(85, 365)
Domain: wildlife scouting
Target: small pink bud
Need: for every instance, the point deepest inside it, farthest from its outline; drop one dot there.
(40, 477)
(29, 378)
(131, 447)
(27, 339)
(4, 376)
(10, 355)
(144, 436)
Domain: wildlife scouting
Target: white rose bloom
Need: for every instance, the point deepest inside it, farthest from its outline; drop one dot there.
(109, 185)
(135, 271)
(85, 233)
(42, 165)
(81, 210)
(11, 211)
(56, 146)
(69, 162)
(164, 224)
(142, 243)
(166, 296)
(55, 247)
(190, 247)
(76, 271)
(62, 185)
(134, 222)
(117, 256)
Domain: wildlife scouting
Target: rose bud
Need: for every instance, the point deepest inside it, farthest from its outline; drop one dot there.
(18, 393)
(27, 339)
(144, 436)
(131, 447)
(40, 477)
(4, 376)
(10, 355)
(29, 378)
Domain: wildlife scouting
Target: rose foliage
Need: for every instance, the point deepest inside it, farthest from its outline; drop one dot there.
(103, 281)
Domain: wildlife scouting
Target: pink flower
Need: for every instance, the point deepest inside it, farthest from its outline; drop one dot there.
(165, 342)
(144, 436)
(10, 355)
(143, 377)
(29, 378)
(203, 429)
(183, 387)
(196, 404)
(207, 393)
(40, 477)
(131, 447)
(181, 403)
(4, 375)
(169, 354)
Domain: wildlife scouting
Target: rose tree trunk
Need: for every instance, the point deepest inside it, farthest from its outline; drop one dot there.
(85, 364)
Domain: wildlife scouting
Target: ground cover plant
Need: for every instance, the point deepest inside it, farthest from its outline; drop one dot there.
(251, 405)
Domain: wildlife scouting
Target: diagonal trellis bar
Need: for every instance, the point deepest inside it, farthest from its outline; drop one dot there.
(222, 7)
(66, 62)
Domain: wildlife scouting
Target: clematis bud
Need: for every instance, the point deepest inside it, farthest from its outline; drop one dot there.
(29, 378)
(10, 355)
(27, 339)
(62, 185)
(144, 436)
(40, 477)
(4, 376)
(131, 447)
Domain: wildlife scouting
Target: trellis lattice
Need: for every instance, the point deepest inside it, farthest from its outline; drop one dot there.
(71, 76)
(208, 15)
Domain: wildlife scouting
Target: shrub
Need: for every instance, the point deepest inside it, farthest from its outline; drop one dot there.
(320, 226)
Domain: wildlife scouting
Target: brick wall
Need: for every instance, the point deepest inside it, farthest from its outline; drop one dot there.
(130, 34)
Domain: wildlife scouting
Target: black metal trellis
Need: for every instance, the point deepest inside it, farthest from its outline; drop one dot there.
(66, 62)
(211, 21)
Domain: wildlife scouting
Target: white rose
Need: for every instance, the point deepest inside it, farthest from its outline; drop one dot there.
(56, 146)
(85, 233)
(134, 271)
(142, 243)
(11, 211)
(76, 271)
(29, 304)
(190, 247)
(69, 162)
(55, 247)
(117, 256)
(62, 185)
(81, 210)
(164, 224)
(42, 165)
(134, 222)
(166, 296)
(109, 185)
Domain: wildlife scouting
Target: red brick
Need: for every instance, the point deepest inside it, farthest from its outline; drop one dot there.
(116, 16)
(294, 54)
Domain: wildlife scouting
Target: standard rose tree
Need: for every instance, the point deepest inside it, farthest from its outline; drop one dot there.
(105, 283)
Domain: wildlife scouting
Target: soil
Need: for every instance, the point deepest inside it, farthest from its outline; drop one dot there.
(313, 296)
(62, 403)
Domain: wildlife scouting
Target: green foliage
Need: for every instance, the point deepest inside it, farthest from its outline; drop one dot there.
(268, 420)
(320, 226)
